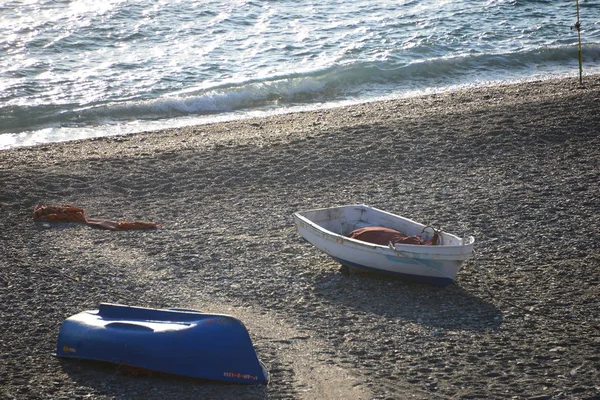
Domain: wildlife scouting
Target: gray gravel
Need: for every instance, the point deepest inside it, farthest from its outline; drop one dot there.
(517, 167)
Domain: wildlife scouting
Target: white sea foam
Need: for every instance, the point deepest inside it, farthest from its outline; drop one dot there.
(72, 70)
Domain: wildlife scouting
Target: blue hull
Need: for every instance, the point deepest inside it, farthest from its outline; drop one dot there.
(173, 341)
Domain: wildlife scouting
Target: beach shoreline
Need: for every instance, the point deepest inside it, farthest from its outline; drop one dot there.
(257, 130)
(515, 166)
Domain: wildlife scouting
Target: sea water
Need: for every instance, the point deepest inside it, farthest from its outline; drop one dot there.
(72, 69)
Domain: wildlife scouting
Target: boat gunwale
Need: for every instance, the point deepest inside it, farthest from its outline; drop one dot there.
(463, 251)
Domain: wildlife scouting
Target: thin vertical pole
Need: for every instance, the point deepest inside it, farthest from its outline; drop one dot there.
(578, 28)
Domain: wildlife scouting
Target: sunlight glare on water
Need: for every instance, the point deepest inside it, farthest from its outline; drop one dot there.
(71, 69)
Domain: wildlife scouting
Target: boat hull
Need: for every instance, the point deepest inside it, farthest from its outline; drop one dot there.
(327, 230)
(180, 342)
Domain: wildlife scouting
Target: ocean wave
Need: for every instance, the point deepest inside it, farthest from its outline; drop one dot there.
(353, 80)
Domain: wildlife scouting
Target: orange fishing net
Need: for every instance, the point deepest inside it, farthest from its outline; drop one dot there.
(378, 235)
(384, 236)
(67, 213)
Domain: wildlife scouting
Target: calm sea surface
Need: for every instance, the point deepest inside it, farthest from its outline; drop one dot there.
(88, 68)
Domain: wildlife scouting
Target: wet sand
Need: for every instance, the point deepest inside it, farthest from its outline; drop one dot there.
(515, 166)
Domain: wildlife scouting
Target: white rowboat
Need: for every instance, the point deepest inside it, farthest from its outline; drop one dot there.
(328, 228)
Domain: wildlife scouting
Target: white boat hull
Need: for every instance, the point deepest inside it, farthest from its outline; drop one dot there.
(327, 230)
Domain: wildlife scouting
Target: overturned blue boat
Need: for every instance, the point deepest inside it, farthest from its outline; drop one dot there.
(174, 341)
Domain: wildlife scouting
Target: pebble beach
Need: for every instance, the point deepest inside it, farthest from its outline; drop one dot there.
(516, 166)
